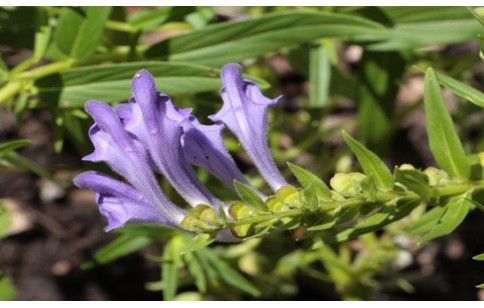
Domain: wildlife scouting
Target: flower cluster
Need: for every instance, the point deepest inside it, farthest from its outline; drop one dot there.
(150, 135)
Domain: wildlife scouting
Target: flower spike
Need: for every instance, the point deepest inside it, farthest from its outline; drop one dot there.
(244, 112)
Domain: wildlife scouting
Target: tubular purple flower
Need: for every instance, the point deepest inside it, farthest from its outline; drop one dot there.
(121, 203)
(121, 152)
(203, 146)
(244, 112)
(153, 119)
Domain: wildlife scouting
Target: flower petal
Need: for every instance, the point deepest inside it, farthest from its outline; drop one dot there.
(245, 113)
(121, 203)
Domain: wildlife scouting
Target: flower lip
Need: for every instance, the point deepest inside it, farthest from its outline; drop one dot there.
(121, 203)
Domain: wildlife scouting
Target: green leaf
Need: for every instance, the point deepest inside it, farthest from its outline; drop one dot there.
(444, 142)
(454, 213)
(79, 30)
(123, 245)
(153, 231)
(306, 179)
(226, 273)
(251, 197)
(10, 146)
(199, 241)
(235, 41)
(416, 27)
(112, 82)
(201, 17)
(377, 218)
(152, 18)
(389, 214)
(5, 220)
(414, 180)
(380, 77)
(427, 221)
(481, 45)
(479, 257)
(42, 39)
(311, 197)
(7, 288)
(463, 90)
(196, 270)
(172, 262)
(149, 19)
(370, 163)
(319, 75)
(14, 160)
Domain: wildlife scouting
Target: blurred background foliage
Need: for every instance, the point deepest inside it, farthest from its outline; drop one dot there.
(357, 69)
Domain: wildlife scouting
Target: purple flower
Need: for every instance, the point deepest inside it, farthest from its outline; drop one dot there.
(149, 134)
(203, 146)
(128, 158)
(121, 203)
(244, 112)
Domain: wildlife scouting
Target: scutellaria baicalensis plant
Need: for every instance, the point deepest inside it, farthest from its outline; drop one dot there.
(149, 136)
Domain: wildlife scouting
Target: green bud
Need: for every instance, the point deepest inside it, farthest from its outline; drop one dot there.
(201, 218)
(347, 184)
(437, 177)
(406, 167)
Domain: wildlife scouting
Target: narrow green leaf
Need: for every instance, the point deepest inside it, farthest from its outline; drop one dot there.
(319, 75)
(311, 197)
(112, 82)
(463, 90)
(480, 286)
(123, 245)
(15, 160)
(153, 231)
(414, 180)
(427, 221)
(7, 288)
(401, 210)
(234, 41)
(201, 17)
(380, 76)
(149, 19)
(370, 163)
(478, 13)
(199, 241)
(454, 213)
(481, 44)
(5, 220)
(306, 179)
(444, 142)
(251, 197)
(79, 30)
(415, 27)
(42, 39)
(479, 257)
(227, 273)
(172, 262)
(196, 270)
(10, 146)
